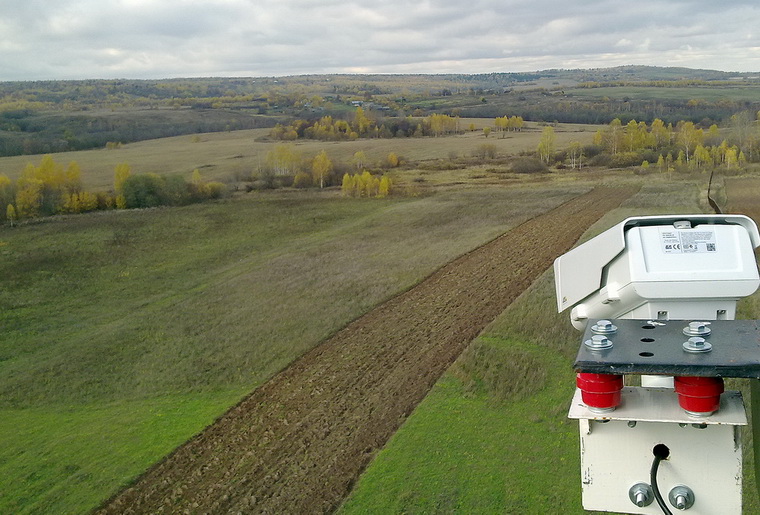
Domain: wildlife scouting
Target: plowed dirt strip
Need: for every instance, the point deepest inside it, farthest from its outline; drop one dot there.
(743, 197)
(298, 443)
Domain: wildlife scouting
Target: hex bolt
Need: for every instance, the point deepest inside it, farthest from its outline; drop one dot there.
(641, 494)
(697, 329)
(681, 497)
(598, 342)
(697, 344)
(604, 327)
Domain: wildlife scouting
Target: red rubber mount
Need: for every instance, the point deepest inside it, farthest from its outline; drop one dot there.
(600, 390)
(699, 394)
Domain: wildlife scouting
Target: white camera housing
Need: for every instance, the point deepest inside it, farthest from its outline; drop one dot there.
(673, 267)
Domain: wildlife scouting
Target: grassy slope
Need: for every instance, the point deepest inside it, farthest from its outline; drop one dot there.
(737, 93)
(500, 442)
(124, 333)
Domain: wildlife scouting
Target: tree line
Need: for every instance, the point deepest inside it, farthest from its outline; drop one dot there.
(51, 188)
(327, 128)
(363, 125)
(668, 146)
(686, 142)
(284, 166)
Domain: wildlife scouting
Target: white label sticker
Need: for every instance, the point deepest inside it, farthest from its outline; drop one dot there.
(687, 242)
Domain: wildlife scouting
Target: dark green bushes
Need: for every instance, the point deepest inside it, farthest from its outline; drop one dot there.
(152, 190)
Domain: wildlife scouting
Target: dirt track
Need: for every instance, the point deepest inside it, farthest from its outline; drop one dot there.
(744, 197)
(298, 443)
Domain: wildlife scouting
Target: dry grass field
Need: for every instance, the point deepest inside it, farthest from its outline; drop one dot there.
(227, 155)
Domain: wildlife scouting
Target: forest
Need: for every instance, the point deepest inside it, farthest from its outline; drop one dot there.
(55, 116)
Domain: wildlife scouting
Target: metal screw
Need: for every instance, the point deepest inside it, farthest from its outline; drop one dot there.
(697, 329)
(641, 494)
(697, 344)
(598, 342)
(604, 327)
(681, 497)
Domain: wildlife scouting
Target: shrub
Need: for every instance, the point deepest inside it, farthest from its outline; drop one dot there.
(176, 191)
(592, 150)
(603, 159)
(143, 190)
(302, 180)
(215, 189)
(485, 151)
(625, 159)
(528, 165)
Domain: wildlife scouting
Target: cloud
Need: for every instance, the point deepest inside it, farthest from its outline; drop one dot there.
(173, 38)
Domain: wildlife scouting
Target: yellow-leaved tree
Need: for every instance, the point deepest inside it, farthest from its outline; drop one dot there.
(359, 160)
(283, 160)
(347, 185)
(546, 145)
(10, 214)
(29, 198)
(321, 166)
(120, 175)
(7, 191)
(385, 187)
(362, 122)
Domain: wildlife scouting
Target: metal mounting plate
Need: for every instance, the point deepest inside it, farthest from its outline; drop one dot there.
(656, 347)
(642, 404)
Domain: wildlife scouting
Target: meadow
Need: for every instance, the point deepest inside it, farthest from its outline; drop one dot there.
(739, 93)
(127, 332)
(229, 156)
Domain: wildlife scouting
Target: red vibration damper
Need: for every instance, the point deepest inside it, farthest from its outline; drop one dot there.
(700, 395)
(600, 391)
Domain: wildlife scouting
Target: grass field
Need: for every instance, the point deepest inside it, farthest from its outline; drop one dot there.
(124, 333)
(739, 93)
(227, 155)
(493, 435)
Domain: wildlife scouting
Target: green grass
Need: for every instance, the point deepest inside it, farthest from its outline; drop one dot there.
(468, 454)
(64, 459)
(492, 436)
(471, 447)
(126, 332)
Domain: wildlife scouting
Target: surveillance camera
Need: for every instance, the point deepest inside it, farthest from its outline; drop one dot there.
(672, 267)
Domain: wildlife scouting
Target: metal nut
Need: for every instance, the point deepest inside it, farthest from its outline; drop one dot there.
(697, 344)
(598, 342)
(604, 327)
(641, 494)
(681, 497)
(697, 328)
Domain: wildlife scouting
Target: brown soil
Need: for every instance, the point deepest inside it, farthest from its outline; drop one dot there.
(744, 197)
(298, 443)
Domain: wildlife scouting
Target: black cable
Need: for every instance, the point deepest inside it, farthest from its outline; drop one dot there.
(661, 452)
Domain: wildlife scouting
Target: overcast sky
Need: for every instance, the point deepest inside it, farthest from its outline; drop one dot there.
(77, 39)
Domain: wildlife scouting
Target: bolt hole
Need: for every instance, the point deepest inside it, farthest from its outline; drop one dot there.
(646, 354)
(647, 326)
(661, 451)
(647, 340)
